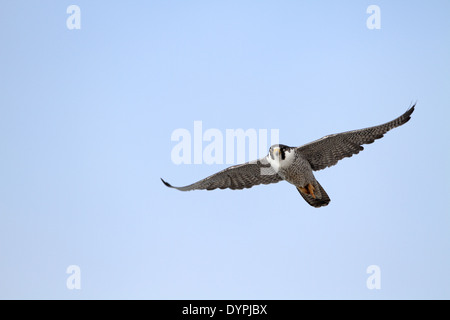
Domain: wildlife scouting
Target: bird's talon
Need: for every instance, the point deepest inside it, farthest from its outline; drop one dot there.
(311, 190)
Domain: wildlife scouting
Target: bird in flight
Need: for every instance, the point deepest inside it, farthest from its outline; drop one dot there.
(296, 164)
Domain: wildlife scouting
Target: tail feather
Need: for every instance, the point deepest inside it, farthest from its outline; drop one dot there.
(321, 198)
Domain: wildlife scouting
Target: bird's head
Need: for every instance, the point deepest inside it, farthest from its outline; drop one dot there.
(278, 151)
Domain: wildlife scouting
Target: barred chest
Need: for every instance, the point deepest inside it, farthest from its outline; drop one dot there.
(298, 172)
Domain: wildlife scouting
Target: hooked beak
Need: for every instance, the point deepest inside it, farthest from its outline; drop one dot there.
(277, 152)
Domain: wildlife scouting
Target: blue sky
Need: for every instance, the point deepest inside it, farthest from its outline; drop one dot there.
(86, 118)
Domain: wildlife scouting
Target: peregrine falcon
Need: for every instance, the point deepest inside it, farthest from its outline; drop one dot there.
(296, 164)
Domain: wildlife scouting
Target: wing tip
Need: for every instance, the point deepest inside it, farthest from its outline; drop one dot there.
(410, 110)
(166, 183)
(186, 188)
(404, 118)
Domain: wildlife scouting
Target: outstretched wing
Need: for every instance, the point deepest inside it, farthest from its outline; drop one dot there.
(240, 176)
(328, 150)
